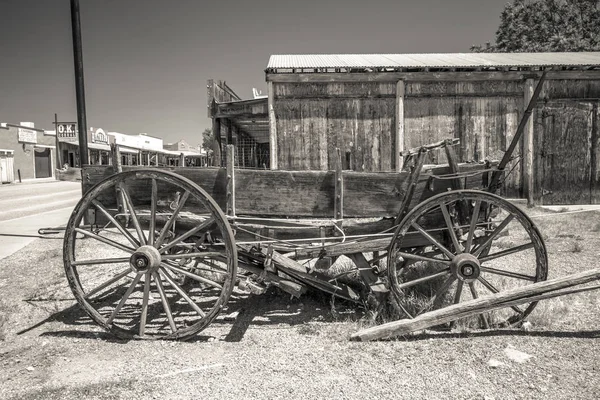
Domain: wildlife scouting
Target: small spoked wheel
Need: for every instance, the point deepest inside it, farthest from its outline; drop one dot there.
(461, 245)
(149, 254)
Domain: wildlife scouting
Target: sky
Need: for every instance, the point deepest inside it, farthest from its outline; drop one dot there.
(146, 62)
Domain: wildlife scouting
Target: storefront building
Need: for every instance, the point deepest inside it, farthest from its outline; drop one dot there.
(26, 152)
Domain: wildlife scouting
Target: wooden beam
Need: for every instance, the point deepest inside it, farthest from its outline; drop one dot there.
(528, 184)
(272, 126)
(229, 128)
(339, 187)
(427, 76)
(116, 158)
(519, 295)
(210, 97)
(216, 128)
(230, 180)
(398, 160)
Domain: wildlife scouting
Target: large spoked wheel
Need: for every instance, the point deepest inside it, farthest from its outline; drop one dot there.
(460, 245)
(149, 254)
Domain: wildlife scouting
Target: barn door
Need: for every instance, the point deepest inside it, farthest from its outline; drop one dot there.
(565, 149)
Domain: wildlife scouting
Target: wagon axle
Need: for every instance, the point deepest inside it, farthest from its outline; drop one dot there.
(465, 267)
(145, 259)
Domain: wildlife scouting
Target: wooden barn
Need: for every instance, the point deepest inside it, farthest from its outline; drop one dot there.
(375, 106)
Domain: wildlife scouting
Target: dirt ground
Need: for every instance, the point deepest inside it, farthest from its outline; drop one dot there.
(298, 348)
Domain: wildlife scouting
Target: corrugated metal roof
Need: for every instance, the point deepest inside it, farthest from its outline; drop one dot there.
(441, 60)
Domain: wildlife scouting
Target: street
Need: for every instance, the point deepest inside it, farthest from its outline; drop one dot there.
(25, 208)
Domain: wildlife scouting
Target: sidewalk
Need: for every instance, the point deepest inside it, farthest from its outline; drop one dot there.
(28, 227)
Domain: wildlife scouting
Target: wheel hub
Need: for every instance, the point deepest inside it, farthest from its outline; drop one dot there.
(146, 258)
(466, 267)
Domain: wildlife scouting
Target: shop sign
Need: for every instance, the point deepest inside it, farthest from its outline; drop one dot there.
(27, 135)
(99, 137)
(67, 131)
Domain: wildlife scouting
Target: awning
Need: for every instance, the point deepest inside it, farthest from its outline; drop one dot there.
(99, 146)
(128, 150)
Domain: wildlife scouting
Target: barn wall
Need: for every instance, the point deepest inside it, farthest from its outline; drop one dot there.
(313, 119)
(359, 117)
(484, 115)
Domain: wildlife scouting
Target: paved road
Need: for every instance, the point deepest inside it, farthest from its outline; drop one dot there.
(27, 207)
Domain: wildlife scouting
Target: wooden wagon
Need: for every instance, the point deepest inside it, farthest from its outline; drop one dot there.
(156, 253)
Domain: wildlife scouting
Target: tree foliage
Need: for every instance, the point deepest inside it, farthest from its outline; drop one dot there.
(207, 140)
(547, 26)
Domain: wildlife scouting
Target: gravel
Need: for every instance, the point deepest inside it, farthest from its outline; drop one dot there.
(282, 348)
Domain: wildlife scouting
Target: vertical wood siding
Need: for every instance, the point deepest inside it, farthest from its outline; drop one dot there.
(484, 115)
(314, 119)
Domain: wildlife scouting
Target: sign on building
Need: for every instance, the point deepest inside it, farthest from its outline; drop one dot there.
(99, 136)
(27, 135)
(67, 131)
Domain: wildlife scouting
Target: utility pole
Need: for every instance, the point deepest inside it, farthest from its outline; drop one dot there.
(57, 142)
(79, 85)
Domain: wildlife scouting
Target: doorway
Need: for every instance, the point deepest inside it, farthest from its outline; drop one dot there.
(43, 162)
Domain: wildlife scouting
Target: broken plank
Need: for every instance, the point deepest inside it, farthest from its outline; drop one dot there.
(521, 295)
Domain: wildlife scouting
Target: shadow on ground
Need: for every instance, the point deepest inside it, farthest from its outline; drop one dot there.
(270, 309)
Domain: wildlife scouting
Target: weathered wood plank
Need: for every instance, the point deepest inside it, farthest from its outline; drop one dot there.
(304, 193)
(520, 295)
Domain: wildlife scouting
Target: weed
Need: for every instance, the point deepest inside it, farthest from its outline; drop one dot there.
(308, 329)
(575, 247)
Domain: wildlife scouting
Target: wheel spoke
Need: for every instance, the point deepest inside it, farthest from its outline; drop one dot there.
(457, 296)
(144, 315)
(493, 289)
(153, 198)
(433, 240)
(493, 235)
(191, 275)
(182, 293)
(106, 284)
(458, 292)
(105, 240)
(171, 220)
(508, 274)
(186, 235)
(443, 289)
(134, 218)
(116, 223)
(165, 301)
(124, 299)
(450, 227)
(483, 316)
(474, 219)
(418, 257)
(101, 261)
(414, 282)
(506, 252)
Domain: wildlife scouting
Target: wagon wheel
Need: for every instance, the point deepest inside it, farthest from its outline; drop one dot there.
(496, 248)
(149, 254)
